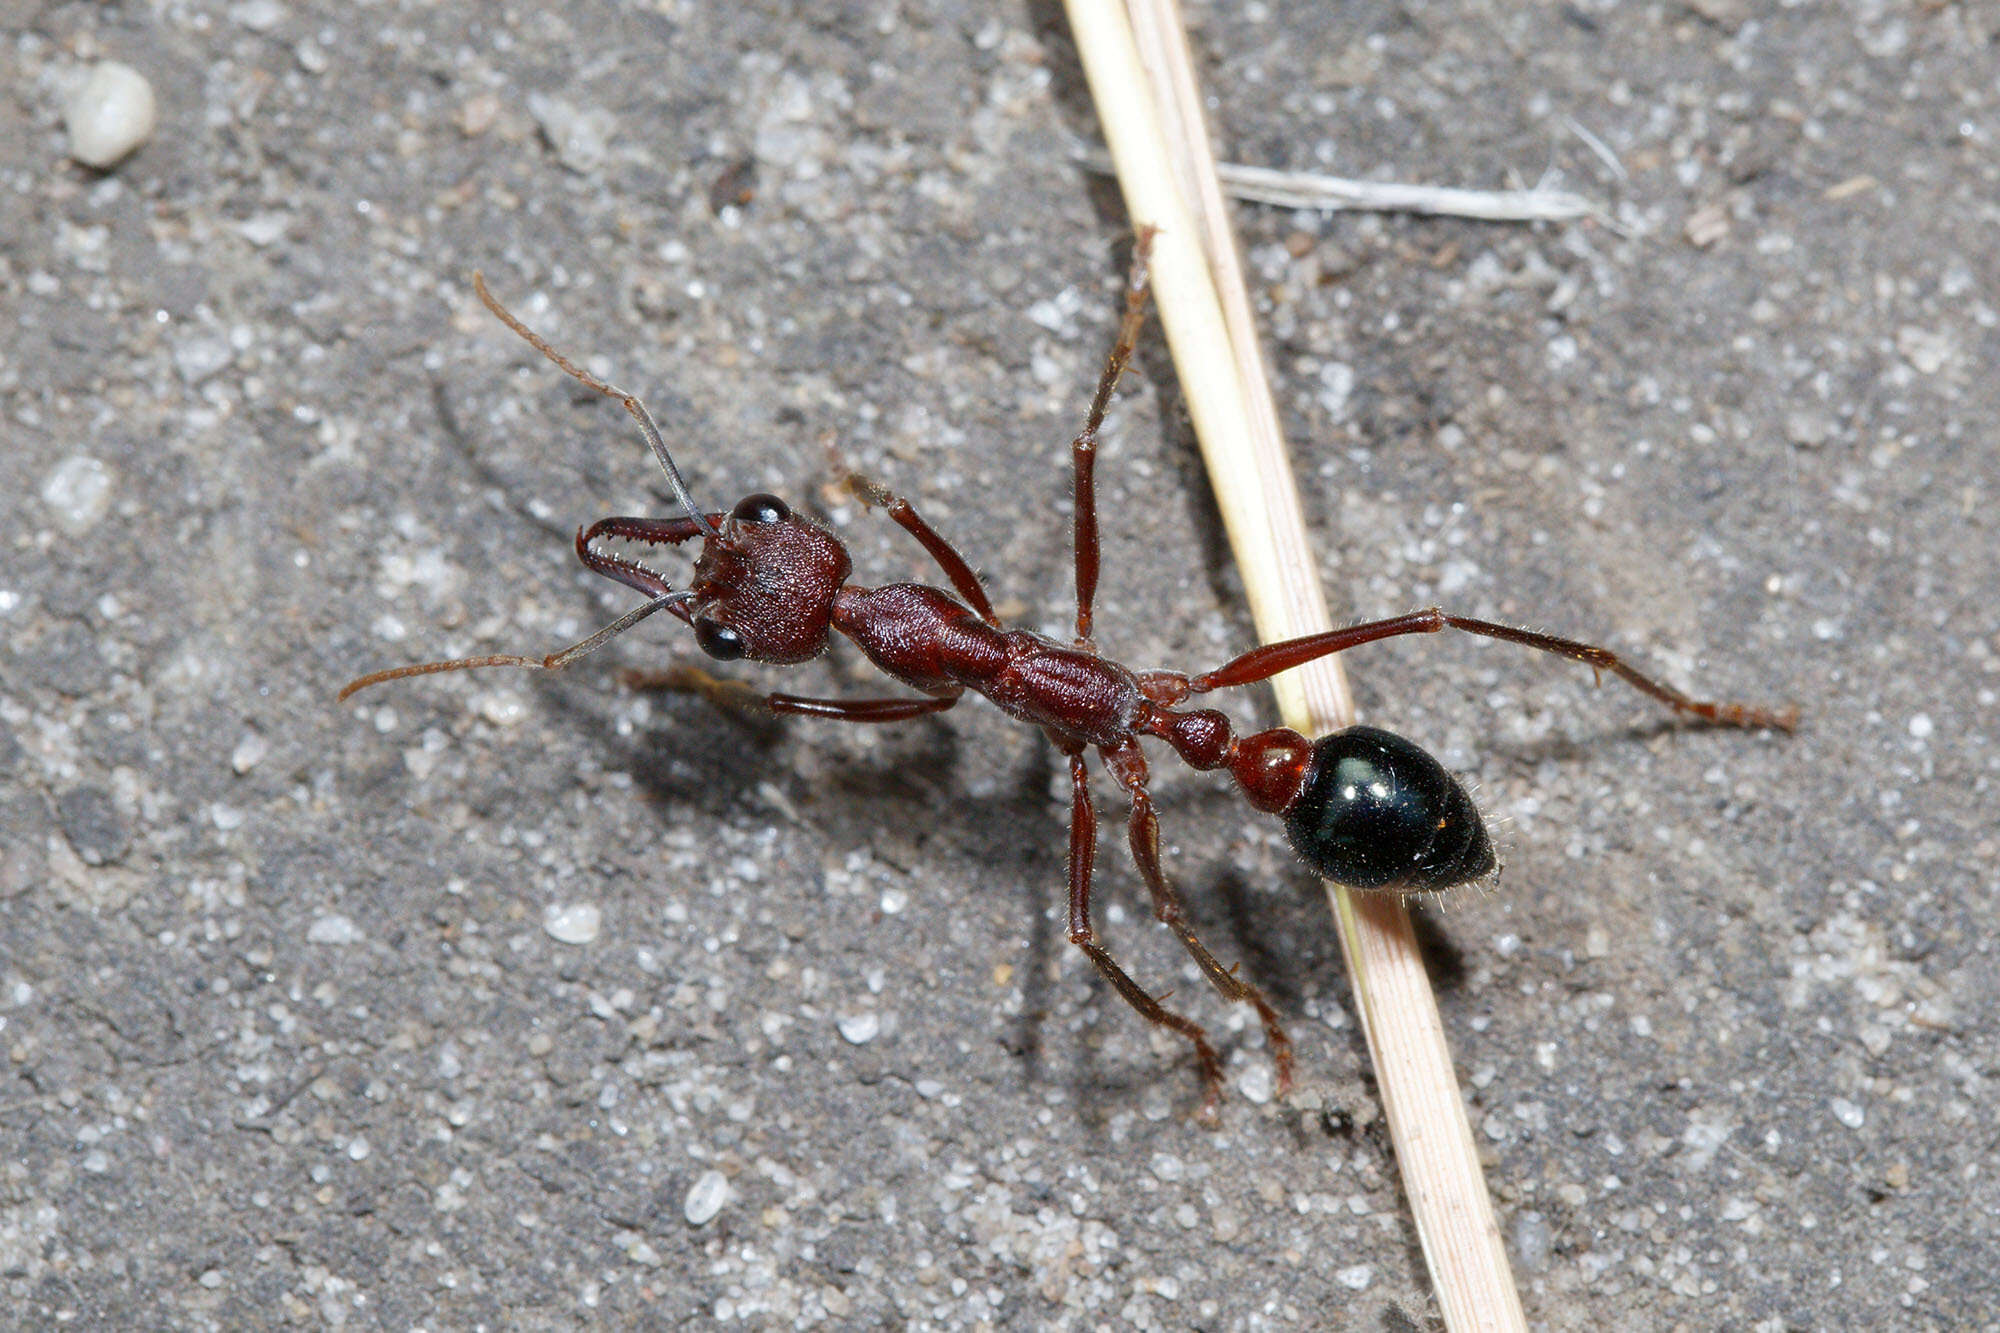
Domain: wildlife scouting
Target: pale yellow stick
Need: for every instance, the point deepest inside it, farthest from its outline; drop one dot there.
(1199, 289)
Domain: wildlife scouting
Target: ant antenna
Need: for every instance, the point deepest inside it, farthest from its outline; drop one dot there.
(631, 402)
(549, 663)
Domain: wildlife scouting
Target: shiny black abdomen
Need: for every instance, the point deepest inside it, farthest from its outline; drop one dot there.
(1377, 812)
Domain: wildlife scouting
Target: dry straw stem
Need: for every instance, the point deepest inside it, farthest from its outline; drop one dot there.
(1310, 189)
(1149, 108)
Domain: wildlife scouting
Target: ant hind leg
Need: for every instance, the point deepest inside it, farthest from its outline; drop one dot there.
(1082, 856)
(1128, 765)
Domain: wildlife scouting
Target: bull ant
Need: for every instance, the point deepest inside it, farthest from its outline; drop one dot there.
(1363, 807)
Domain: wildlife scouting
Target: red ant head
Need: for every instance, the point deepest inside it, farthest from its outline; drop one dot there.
(764, 584)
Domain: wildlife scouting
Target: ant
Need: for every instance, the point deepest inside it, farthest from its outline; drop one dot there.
(1363, 807)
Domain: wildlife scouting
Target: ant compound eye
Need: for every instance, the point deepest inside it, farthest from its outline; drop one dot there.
(1377, 812)
(718, 640)
(761, 508)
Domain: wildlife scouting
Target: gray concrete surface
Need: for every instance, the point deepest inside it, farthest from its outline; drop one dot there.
(304, 1017)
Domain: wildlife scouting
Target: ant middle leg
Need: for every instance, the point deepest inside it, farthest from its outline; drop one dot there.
(1127, 763)
(1082, 857)
(1083, 449)
(735, 695)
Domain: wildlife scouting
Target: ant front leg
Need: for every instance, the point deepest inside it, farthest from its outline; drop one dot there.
(943, 552)
(1128, 765)
(1082, 857)
(1083, 449)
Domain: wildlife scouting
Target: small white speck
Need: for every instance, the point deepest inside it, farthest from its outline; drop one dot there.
(1356, 1278)
(581, 136)
(1921, 726)
(211, 1279)
(334, 929)
(227, 818)
(503, 708)
(249, 752)
(861, 1028)
(78, 489)
(894, 901)
(576, 923)
(357, 1149)
(258, 15)
(1336, 379)
(1256, 1083)
(705, 1198)
(1847, 1113)
(262, 229)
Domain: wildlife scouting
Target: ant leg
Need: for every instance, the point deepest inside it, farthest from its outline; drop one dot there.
(1267, 661)
(721, 692)
(1082, 856)
(1128, 765)
(1599, 660)
(734, 694)
(943, 552)
(1083, 449)
(860, 710)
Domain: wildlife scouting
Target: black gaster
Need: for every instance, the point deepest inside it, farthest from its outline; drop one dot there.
(1377, 812)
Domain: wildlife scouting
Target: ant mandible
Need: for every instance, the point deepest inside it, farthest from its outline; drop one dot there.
(1363, 807)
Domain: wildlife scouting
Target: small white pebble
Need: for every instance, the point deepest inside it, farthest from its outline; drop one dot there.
(262, 229)
(581, 136)
(1847, 1113)
(258, 15)
(576, 923)
(1356, 1278)
(705, 1198)
(78, 489)
(358, 1149)
(860, 1028)
(1921, 726)
(211, 1279)
(334, 929)
(109, 114)
(249, 752)
(503, 708)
